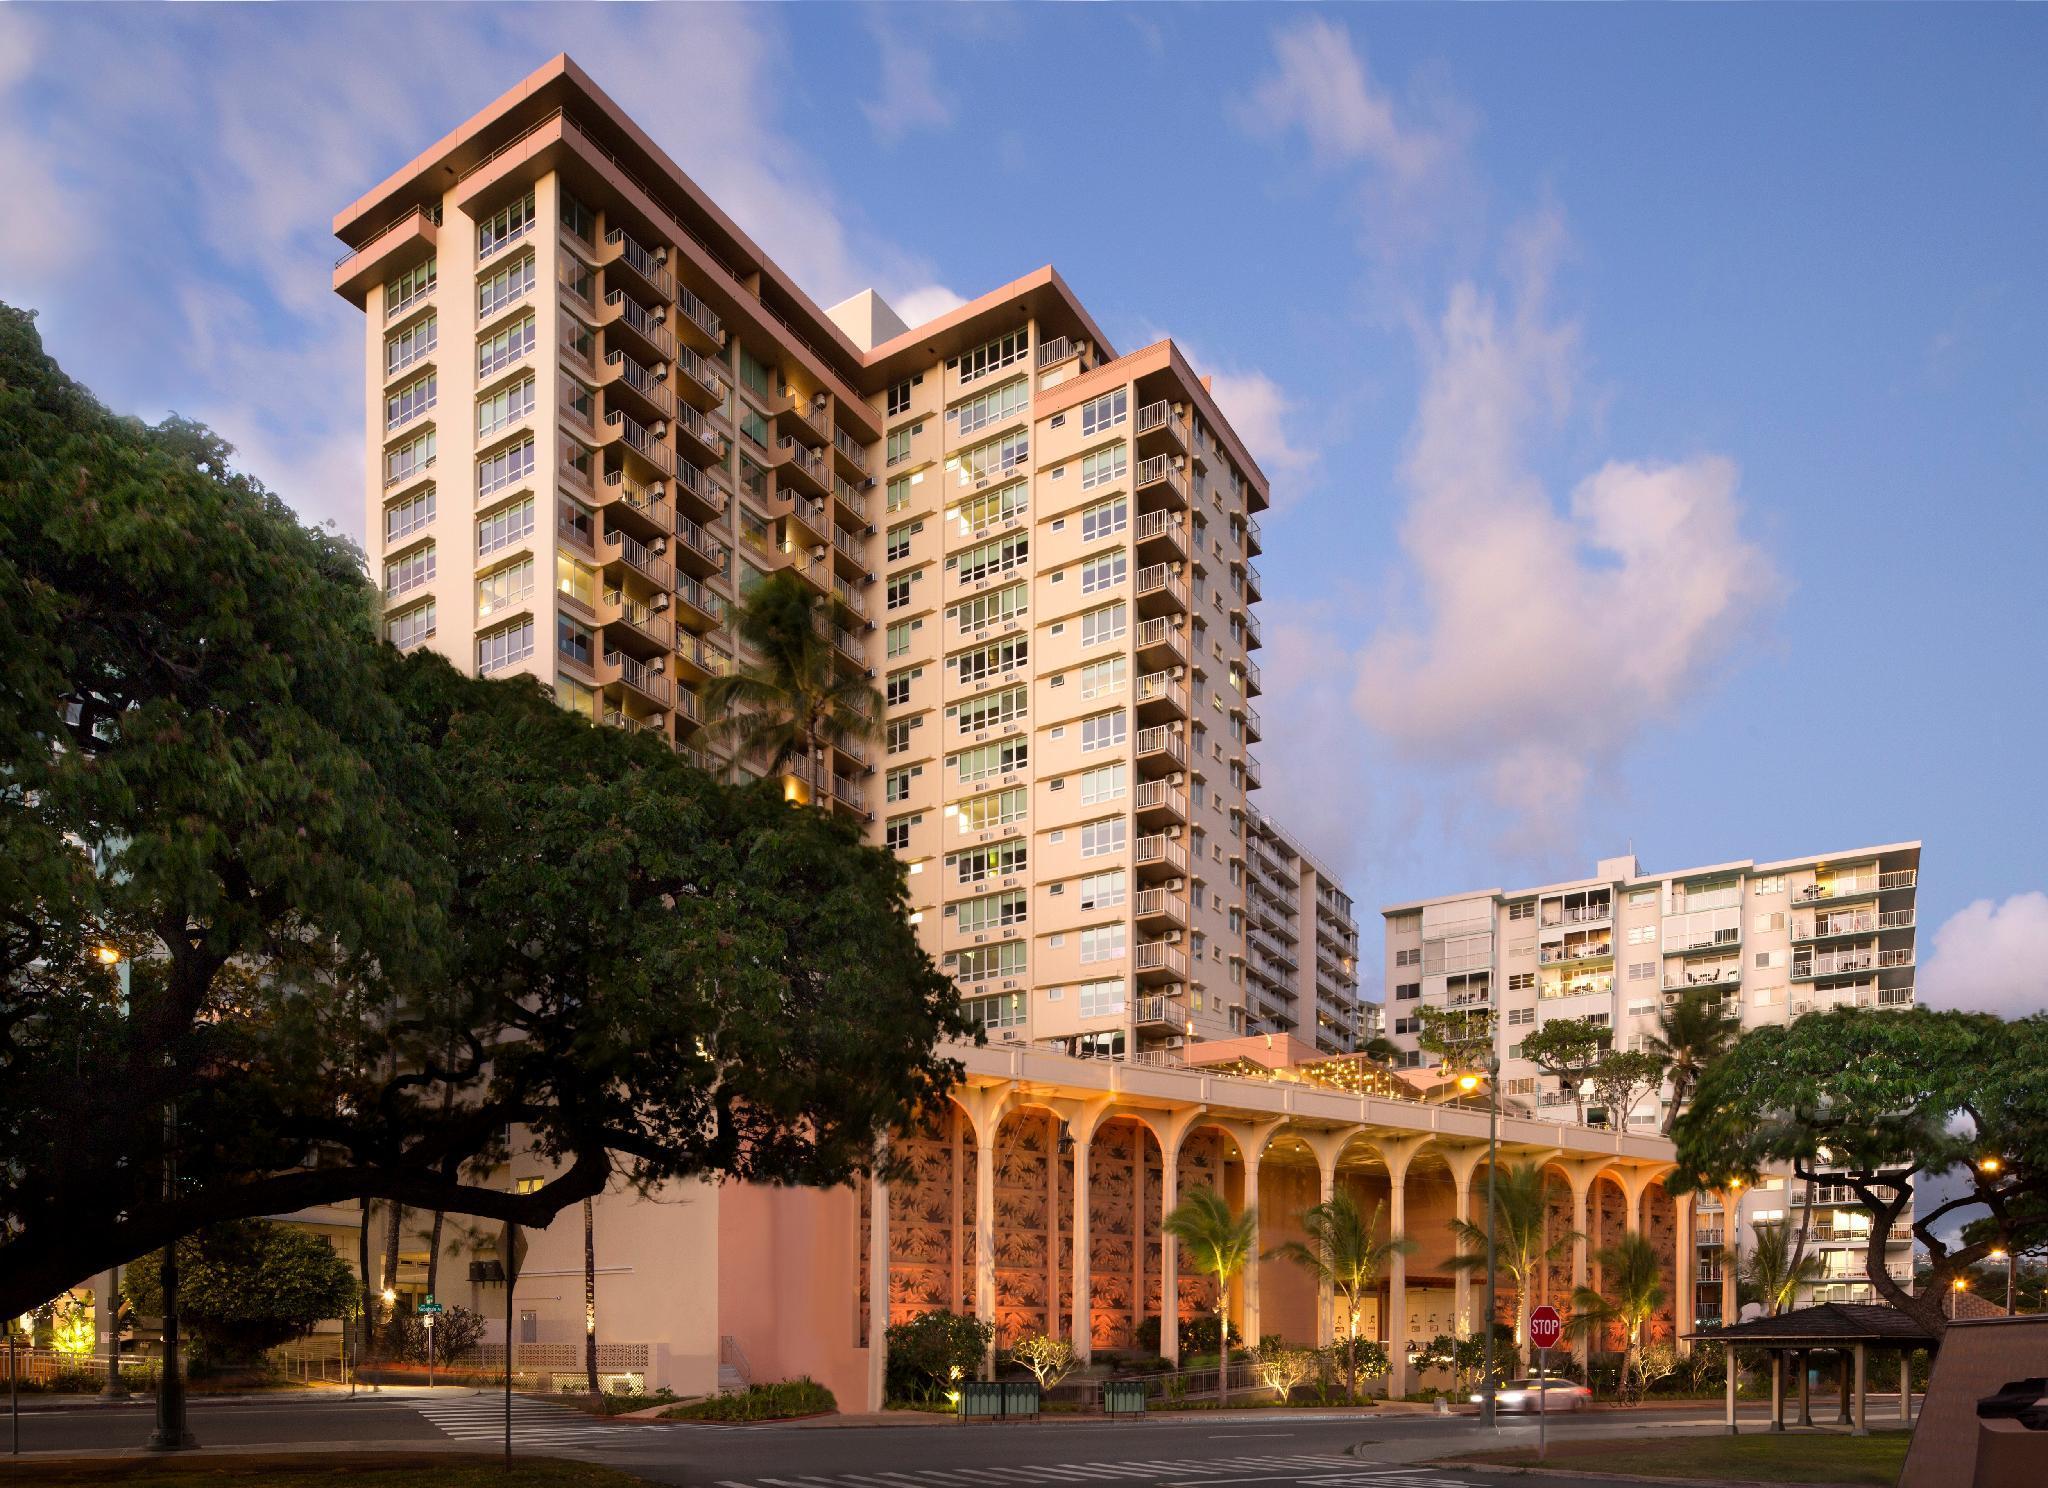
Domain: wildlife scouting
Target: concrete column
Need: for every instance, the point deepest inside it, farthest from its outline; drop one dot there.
(1328, 1147)
(1249, 1289)
(1728, 1360)
(1862, 1426)
(985, 1105)
(1684, 1305)
(1777, 1389)
(1805, 1363)
(1326, 1294)
(878, 1291)
(1084, 1275)
(1052, 1238)
(1842, 1389)
(1582, 1344)
(1398, 1153)
(1169, 1255)
(1464, 1163)
(1905, 1388)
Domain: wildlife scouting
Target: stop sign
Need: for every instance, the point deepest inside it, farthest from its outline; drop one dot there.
(1545, 1327)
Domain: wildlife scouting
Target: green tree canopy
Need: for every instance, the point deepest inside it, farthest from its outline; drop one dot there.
(1691, 1033)
(1621, 1079)
(1883, 1103)
(374, 912)
(1218, 1241)
(1462, 1038)
(248, 1286)
(1568, 1050)
(1347, 1249)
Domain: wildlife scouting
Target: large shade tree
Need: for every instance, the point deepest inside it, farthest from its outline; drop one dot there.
(1692, 1032)
(1886, 1105)
(373, 913)
(247, 1286)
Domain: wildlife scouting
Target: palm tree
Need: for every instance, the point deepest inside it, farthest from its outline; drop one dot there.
(797, 700)
(1691, 1034)
(1219, 1242)
(1633, 1273)
(1521, 1197)
(1342, 1250)
(589, 1295)
(1775, 1267)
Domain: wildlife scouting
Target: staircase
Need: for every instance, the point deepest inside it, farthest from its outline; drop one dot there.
(733, 1373)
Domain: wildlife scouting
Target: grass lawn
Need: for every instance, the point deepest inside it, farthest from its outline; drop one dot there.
(352, 1470)
(1795, 1457)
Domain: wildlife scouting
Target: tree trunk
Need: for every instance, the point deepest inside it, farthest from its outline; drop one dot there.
(434, 1255)
(1681, 1089)
(590, 1294)
(1799, 1245)
(1351, 1361)
(368, 1327)
(395, 1220)
(1223, 1338)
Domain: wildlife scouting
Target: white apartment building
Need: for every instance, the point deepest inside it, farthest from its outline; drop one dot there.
(1301, 957)
(1779, 940)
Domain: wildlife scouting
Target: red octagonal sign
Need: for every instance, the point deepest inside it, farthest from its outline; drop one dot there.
(1545, 1327)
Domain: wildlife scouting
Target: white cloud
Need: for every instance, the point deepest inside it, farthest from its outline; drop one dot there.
(1260, 410)
(1991, 958)
(1542, 641)
(926, 302)
(909, 98)
(1321, 85)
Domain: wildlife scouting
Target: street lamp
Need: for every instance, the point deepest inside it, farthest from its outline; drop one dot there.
(1468, 1083)
(2000, 1253)
(1956, 1290)
(115, 1388)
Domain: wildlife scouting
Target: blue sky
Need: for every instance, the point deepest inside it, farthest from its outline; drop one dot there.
(1654, 396)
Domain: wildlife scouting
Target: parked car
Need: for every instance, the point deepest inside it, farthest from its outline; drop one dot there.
(1520, 1396)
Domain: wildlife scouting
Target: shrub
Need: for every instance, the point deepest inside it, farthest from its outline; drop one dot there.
(1280, 1368)
(1050, 1360)
(456, 1335)
(802, 1396)
(246, 1287)
(929, 1353)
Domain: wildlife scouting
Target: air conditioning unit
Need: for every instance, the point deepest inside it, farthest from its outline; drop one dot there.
(870, 578)
(660, 429)
(868, 484)
(1171, 937)
(658, 666)
(1178, 1041)
(660, 315)
(661, 254)
(661, 371)
(657, 490)
(657, 719)
(658, 546)
(660, 603)
(1180, 462)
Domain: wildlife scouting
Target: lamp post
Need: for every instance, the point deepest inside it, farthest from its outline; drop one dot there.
(1955, 1293)
(1487, 1385)
(115, 1388)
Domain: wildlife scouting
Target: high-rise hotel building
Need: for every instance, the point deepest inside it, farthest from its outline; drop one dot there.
(1302, 956)
(599, 413)
(1778, 940)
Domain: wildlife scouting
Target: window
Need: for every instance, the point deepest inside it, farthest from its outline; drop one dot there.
(897, 594)
(505, 286)
(1006, 603)
(409, 459)
(991, 458)
(1104, 413)
(1521, 981)
(991, 912)
(508, 225)
(1100, 467)
(988, 963)
(1103, 731)
(498, 649)
(896, 835)
(513, 463)
(896, 784)
(898, 639)
(1103, 890)
(410, 627)
(409, 516)
(899, 396)
(1105, 624)
(495, 353)
(988, 760)
(579, 278)
(753, 479)
(991, 711)
(1006, 1011)
(896, 736)
(409, 288)
(1105, 783)
(410, 401)
(502, 528)
(503, 588)
(1772, 921)
(899, 540)
(897, 691)
(578, 219)
(1105, 519)
(579, 338)
(994, 356)
(991, 507)
(576, 580)
(1642, 935)
(898, 494)
(1641, 971)
(1410, 957)
(753, 373)
(576, 457)
(1099, 838)
(754, 425)
(1521, 1017)
(992, 660)
(1407, 991)
(995, 809)
(496, 410)
(410, 344)
(1100, 678)
(1101, 999)
(992, 407)
(1771, 884)
(1523, 911)
(1106, 572)
(573, 640)
(979, 864)
(1103, 943)
(896, 449)
(997, 556)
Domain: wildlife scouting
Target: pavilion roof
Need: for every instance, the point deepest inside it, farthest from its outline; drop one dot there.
(1828, 1323)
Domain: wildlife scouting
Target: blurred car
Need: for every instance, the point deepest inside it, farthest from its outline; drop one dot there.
(1520, 1396)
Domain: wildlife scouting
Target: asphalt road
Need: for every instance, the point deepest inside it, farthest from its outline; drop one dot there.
(1302, 1449)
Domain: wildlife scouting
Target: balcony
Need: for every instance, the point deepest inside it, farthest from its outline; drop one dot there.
(699, 324)
(618, 718)
(811, 516)
(1161, 856)
(1161, 746)
(1161, 536)
(631, 384)
(697, 440)
(407, 242)
(1574, 952)
(697, 550)
(634, 627)
(1160, 695)
(1160, 590)
(848, 452)
(700, 384)
(849, 793)
(1252, 639)
(637, 437)
(624, 548)
(1834, 963)
(1254, 586)
(1857, 886)
(635, 507)
(619, 669)
(698, 494)
(1161, 644)
(1850, 922)
(1156, 908)
(1158, 1012)
(850, 596)
(802, 468)
(1254, 683)
(1704, 974)
(1161, 429)
(1253, 538)
(851, 497)
(1159, 802)
(701, 608)
(639, 324)
(645, 267)
(1059, 349)
(1156, 961)
(1248, 764)
(807, 420)
(698, 661)
(1158, 475)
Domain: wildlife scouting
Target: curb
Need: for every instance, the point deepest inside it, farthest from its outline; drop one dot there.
(1577, 1474)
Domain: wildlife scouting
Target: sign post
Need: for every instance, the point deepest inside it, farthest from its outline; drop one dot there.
(429, 1310)
(512, 1253)
(1545, 1328)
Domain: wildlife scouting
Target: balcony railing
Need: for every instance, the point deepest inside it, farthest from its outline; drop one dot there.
(847, 543)
(646, 500)
(1592, 950)
(642, 381)
(642, 678)
(1159, 471)
(657, 628)
(699, 540)
(703, 372)
(641, 440)
(1162, 687)
(1160, 795)
(1157, 1012)
(657, 571)
(701, 315)
(850, 596)
(1160, 415)
(1052, 353)
(1162, 849)
(1162, 740)
(849, 792)
(804, 458)
(692, 593)
(850, 496)
(1158, 956)
(1160, 578)
(642, 262)
(643, 323)
(850, 447)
